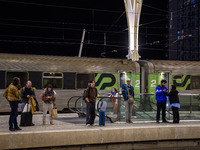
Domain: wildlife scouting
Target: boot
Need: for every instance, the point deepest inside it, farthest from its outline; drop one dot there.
(44, 122)
(51, 122)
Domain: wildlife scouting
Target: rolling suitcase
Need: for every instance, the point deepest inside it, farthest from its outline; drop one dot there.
(26, 118)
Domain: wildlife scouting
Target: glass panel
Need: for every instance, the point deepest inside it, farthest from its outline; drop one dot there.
(56, 83)
(21, 75)
(145, 108)
(83, 79)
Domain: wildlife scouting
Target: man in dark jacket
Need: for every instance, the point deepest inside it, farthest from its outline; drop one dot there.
(161, 92)
(174, 103)
(90, 98)
(25, 93)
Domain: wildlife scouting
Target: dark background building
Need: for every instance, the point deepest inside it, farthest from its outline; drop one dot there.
(52, 27)
(184, 30)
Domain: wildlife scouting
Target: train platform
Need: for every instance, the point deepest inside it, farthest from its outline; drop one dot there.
(70, 132)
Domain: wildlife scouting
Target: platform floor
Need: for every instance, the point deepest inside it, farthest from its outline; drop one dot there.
(71, 121)
(71, 130)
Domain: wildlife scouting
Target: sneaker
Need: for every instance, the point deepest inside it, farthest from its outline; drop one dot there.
(165, 121)
(87, 125)
(18, 128)
(130, 121)
(157, 121)
(51, 123)
(94, 124)
(44, 122)
(12, 129)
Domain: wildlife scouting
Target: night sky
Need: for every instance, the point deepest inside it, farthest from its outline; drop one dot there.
(52, 27)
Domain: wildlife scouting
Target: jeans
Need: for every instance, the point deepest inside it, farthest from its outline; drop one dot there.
(175, 114)
(13, 114)
(90, 112)
(128, 110)
(101, 118)
(46, 107)
(161, 105)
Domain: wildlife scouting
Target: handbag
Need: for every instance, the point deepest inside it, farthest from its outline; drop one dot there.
(130, 98)
(54, 113)
(27, 108)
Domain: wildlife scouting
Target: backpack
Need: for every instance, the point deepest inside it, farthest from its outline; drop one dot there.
(42, 94)
(5, 94)
(89, 93)
(84, 93)
(99, 107)
(23, 89)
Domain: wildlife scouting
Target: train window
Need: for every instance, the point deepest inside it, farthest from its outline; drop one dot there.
(69, 80)
(83, 79)
(36, 78)
(195, 82)
(55, 79)
(53, 74)
(21, 75)
(2, 79)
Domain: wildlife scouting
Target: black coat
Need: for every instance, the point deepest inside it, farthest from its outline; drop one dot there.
(173, 96)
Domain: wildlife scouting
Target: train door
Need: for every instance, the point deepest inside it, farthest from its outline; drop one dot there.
(135, 80)
(123, 76)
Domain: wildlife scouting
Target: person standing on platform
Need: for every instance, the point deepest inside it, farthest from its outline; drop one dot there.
(13, 98)
(127, 89)
(102, 109)
(49, 98)
(90, 98)
(114, 95)
(26, 93)
(174, 103)
(161, 92)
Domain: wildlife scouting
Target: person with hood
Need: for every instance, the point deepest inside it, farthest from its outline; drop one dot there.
(174, 103)
(161, 98)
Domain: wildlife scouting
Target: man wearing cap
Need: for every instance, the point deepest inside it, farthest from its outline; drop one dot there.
(161, 92)
(128, 106)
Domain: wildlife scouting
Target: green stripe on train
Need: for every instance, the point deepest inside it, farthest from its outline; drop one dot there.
(182, 82)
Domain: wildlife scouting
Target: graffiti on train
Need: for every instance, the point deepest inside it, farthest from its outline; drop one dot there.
(106, 81)
(182, 82)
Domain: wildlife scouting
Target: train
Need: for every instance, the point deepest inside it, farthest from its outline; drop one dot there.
(70, 75)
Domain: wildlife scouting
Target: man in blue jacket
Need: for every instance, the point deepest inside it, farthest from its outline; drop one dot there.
(128, 107)
(161, 92)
